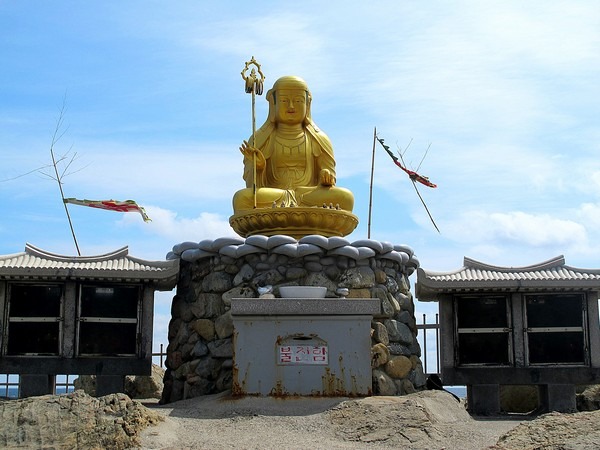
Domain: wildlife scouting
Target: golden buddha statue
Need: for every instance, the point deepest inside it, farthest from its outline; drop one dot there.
(295, 172)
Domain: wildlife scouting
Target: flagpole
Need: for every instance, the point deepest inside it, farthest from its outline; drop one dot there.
(371, 184)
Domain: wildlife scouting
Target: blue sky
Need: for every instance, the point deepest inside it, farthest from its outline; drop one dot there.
(506, 93)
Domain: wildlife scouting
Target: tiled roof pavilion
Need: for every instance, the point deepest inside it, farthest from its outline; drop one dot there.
(553, 274)
(117, 266)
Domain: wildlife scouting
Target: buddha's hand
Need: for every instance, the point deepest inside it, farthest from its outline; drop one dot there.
(326, 178)
(248, 151)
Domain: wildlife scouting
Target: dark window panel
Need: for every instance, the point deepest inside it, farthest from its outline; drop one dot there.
(547, 348)
(33, 337)
(110, 301)
(29, 300)
(481, 312)
(556, 310)
(483, 348)
(109, 339)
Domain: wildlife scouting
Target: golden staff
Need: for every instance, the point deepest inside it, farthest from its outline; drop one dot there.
(254, 85)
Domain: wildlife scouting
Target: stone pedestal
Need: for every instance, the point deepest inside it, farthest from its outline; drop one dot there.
(200, 355)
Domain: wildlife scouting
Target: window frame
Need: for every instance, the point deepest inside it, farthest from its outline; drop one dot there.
(507, 330)
(33, 319)
(81, 319)
(537, 330)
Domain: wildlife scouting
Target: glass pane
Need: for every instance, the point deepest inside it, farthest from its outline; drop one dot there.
(109, 301)
(545, 348)
(554, 310)
(29, 300)
(29, 337)
(481, 312)
(483, 348)
(107, 339)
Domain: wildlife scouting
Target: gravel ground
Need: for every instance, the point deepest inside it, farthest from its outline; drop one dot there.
(425, 420)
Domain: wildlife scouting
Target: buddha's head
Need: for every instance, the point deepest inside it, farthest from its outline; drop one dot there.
(289, 101)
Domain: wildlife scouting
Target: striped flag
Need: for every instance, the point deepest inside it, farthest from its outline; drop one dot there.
(112, 205)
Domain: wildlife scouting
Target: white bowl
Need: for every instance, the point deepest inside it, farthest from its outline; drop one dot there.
(303, 291)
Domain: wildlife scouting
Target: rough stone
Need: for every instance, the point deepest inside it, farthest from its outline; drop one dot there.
(408, 319)
(213, 305)
(174, 325)
(174, 360)
(224, 380)
(405, 387)
(238, 292)
(207, 368)
(398, 367)
(222, 348)
(589, 399)
(359, 293)
(380, 355)
(380, 333)
(387, 308)
(417, 376)
(144, 386)
(217, 282)
(200, 349)
(182, 335)
(270, 277)
(205, 328)
(86, 383)
(224, 325)
(295, 273)
(380, 276)
(74, 420)
(200, 387)
(176, 391)
(383, 383)
(320, 279)
(359, 277)
(399, 332)
(245, 274)
(332, 272)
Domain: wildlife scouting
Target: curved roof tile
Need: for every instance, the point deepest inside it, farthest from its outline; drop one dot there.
(35, 263)
(552, 274)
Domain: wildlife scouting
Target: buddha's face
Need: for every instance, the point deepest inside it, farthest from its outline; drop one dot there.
(290, 106)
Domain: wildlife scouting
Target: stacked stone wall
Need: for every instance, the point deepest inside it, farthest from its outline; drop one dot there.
(212, 272)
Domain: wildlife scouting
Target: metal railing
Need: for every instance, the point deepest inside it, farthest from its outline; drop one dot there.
(433, 330)
(162, 355)
(9, 385)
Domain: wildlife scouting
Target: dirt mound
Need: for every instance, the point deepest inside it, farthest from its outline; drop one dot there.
(73, 420)
(429, 419)
(554, 431)
(424, 420)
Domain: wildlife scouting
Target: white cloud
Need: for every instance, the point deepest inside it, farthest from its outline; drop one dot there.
(517, 229)
(169, 225)
(589, 214)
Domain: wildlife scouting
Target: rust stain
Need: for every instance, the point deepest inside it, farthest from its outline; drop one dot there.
(278, 390)
(236, 389)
